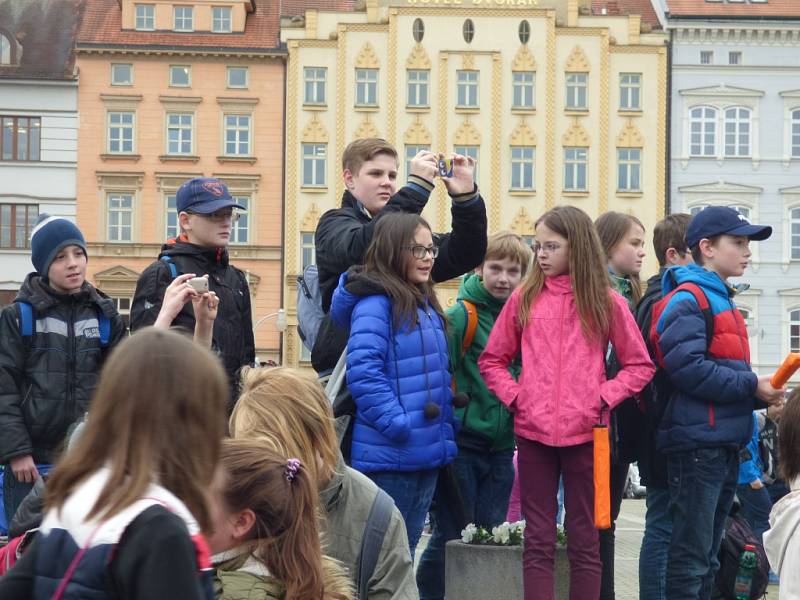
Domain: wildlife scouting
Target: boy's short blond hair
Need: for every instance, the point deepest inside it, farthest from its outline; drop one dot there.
(508, 245)
(360, 151)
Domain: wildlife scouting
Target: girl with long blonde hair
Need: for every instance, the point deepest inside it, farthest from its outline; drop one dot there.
(561, 320)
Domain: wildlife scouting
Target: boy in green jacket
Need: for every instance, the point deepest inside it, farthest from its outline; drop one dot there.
(483, 470)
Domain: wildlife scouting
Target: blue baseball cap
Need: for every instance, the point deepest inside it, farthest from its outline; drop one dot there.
(204, 195)
(718, 220)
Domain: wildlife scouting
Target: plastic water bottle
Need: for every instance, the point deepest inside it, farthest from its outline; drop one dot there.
(748, 561)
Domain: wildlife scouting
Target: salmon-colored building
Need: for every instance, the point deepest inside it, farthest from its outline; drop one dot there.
(171, 90)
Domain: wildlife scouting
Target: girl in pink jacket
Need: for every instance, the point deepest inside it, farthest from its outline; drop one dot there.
(562, 320)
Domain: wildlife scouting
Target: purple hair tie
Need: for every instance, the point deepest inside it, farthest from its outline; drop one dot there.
(292, 465)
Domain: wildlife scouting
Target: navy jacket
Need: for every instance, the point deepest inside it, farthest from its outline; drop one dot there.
(714, 391)
(392, 375)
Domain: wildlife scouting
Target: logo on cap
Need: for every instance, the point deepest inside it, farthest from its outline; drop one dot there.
(215, 187)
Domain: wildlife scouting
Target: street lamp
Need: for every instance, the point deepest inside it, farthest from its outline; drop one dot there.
(280, 320)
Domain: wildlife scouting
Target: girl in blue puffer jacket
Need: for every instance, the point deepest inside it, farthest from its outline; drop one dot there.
(397, 366)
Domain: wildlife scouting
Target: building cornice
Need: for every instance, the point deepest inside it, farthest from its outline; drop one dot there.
(260, 53)
(759, 33)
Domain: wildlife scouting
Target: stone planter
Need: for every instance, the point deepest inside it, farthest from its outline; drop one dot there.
(484, 572)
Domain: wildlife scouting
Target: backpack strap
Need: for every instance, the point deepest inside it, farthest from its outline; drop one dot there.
(380, 514)
(26, 320)
(702, 301)
(104, 325)
(173, 270)
(472, 325)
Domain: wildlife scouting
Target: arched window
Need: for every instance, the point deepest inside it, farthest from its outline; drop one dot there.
(737, 131)
(5, 50)
(468, 30)
(418, 30)
(703, 131)
(524, 32)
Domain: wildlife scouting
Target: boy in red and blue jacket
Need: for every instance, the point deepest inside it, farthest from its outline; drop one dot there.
(709, 414)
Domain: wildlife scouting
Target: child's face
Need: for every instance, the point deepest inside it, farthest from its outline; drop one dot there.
(209, 231)
(500, 276)
(418, 270)
(552, 251)
(375, 182)
(68, 270)
(626, 258)
(729, 257)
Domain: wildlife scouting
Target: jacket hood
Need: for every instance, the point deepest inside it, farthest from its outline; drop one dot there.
(784, 523)
(180, 246)
(473, 290)
(332, 493)
(36, 292)
(675, 276)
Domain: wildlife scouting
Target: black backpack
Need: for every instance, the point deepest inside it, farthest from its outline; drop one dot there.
(738, 534)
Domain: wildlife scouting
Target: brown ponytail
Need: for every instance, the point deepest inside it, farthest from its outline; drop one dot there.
(283, 497)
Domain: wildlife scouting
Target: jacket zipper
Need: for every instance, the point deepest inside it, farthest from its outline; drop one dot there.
(438, 350)
(558, 371)
(72, 359)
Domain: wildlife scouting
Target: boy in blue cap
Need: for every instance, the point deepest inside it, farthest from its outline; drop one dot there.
(708, 417)
(206, 213)
(55, 337)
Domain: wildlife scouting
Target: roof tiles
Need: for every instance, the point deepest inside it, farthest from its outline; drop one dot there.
(725, 8)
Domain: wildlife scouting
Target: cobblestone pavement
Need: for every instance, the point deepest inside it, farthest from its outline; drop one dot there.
(630, 528)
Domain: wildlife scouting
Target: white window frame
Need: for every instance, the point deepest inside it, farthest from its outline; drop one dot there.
(170, 214)
(629, 169)
(219, 22)
(183, 130)
(470, 150)
(791, 322)
(119, 214)
(144, 19)
(523, 90)
(577, 91)
(232, 68)
(367, 87)
(308, 253)
(241, 227)
(124, 83)
(316, 162)
(467, 88)
(522, 158)
(237, 129)
(630, 91)
(794, 132)
(576, 163)
(706, 57)
(172, 82)
(411, 151)
(738, 132)
(790, 233)
(418, 88)
(182, 18)
(123, 306)
(734, 58)
(706, 119)
(122, 127)
(315, 81)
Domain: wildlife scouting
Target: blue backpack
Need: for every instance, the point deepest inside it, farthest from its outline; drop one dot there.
(27, 323)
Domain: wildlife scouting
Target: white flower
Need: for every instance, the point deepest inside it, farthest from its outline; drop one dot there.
(468, 533)
(501, 534)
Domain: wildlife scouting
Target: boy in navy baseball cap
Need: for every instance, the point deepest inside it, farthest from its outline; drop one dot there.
(703, 348)
(55, 337)
(207, 215)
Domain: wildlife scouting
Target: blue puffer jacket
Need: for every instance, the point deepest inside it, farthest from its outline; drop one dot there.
(714, 394)
(751, 468)
(392, 375)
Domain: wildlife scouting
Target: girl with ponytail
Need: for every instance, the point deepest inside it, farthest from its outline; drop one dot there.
(266, 538)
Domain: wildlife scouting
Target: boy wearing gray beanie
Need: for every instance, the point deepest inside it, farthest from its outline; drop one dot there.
(56, 335)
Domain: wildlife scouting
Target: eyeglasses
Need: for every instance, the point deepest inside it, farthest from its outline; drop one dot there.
(221, 216)
(420, 251)
(546, 248)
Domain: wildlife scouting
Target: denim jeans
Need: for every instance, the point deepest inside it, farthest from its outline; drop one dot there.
(412, 494)
(655, 546)
(14, 491)
(484, 481)
(756, 505)
(702, 484)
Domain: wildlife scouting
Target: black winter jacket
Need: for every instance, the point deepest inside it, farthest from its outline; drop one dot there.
(233, 327)
(47, 380)
(343, 235)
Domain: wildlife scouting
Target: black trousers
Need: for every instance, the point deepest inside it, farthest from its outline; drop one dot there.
(619, 475)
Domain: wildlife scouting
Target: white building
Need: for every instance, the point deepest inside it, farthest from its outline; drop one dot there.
(38, 125)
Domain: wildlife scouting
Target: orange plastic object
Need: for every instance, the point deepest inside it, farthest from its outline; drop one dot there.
(602, 477)
(790, 364)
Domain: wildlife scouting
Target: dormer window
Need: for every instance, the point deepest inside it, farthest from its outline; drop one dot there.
(7, 50)
(221, 19)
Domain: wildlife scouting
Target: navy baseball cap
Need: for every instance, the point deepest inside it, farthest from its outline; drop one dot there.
(204, 195)
(718, 220)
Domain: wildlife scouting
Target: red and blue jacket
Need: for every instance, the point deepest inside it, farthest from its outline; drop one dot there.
(713, 394)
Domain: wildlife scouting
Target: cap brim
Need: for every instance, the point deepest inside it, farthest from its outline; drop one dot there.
(753, 232)
(206, 208)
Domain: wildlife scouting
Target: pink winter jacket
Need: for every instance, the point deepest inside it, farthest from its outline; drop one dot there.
(558, 397)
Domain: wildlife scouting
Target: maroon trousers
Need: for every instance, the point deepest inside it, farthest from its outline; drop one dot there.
(539, 469)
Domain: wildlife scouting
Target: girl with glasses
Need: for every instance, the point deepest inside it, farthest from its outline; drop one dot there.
(397, 366)
(561, 320)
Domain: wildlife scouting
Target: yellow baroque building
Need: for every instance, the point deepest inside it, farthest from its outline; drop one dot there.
(556, 104)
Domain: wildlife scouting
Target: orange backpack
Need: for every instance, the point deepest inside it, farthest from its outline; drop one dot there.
(469, 334)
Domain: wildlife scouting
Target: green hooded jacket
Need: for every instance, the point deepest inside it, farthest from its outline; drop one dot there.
(239, 576)
(486, 424)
